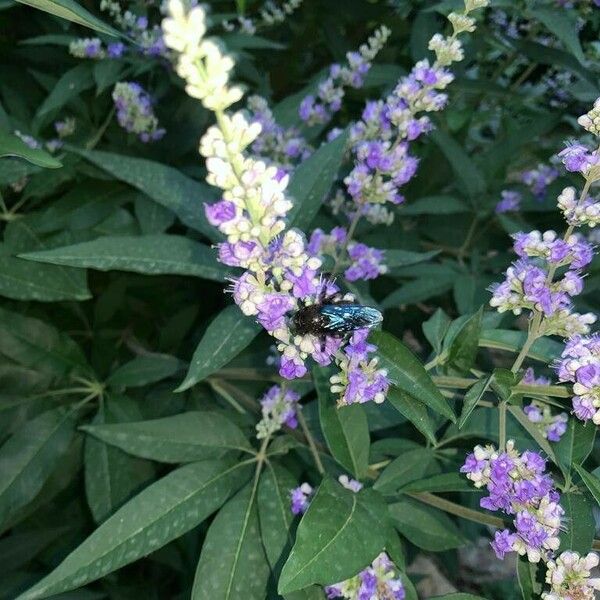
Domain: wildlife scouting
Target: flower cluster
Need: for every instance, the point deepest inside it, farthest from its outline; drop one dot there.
(530, 282)
(65, 128)
(379, 580)
(580, 364)
(362, 262)
(283, 146)
(279, 408)
(539, 178)
(550, 426)
(94, 48)
(518, 485)
(270, 14)
(280, 277)
(569, 577)
(300, 498)
(510, 202)
(134, 111)
(314, 110)
(578, 158)
(380, 139)
(580, 212)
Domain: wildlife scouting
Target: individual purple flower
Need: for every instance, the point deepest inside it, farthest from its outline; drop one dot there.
(510, 202)
(219, 213)
(279, 407)
(577, 157)
(300, 498)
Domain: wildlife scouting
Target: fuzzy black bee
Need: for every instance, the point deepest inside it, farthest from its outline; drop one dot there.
(335, 317)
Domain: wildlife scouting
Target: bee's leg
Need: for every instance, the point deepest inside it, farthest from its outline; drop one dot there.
(323, 341)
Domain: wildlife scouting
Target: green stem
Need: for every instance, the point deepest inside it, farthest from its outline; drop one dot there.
(311, 442)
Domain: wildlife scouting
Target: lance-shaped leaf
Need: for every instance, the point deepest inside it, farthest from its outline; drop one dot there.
(233, 563)
(544, 349)
(180, 438)
(226, 336)
(29, 456)
(312, 180)
(527, 577)
(72, 11)
(444, 482)
(404, 469)
(274, 512)
(463, 349)
(425, 527)
(472, 398)
(111, 475)
(149, 254)
(162, 512)
(414, 411)
(72, 83)
(406, 372)
(164, 184)
(340, 534)
(34, 343)
(12, 145)
(578, 533)
(591, 482)
(146, 369)
(575, 444)
(346, 429)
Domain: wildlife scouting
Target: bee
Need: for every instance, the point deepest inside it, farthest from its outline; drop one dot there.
(335, 317)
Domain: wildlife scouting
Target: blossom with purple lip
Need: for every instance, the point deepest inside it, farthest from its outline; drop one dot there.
(134, 111)
(279, 407)
(300, 498)
(578, 158)
(539, 178)
(510, 202)
(87, 48)
(319, 108)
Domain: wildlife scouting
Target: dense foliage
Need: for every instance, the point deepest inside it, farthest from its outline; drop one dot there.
(299, 300)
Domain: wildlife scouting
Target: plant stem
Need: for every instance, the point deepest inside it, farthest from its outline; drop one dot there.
(311, 442)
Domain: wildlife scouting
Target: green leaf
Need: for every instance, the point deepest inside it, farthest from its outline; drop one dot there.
(233, 562)
(162, 512)
(35, 343)
(179, 438)
(404, 469)
(444, 482)
(591, 482)
(463, 350)
(563, 24)
(406, 372)
(72, 11)
(575, 444)
(404, 258)
(226, 336)
(527, 578)
(274, 512)
(312, 180)
(150, 254)
(415, 411)
(28, 457)
(339, 535)
(419, 290)
(435, 329)
(143, 370)
(472, 397)
(152, 217)
(164, 184)
(425, 527)
(12, 145)
(111, 476)
(435, 205)
(23, 280)
(69, 86)
(345, 429)
(579, 523)
(458, 596)
(545, 349)
(465, 169)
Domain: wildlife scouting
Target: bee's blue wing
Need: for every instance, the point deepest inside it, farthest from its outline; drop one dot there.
(344, 318)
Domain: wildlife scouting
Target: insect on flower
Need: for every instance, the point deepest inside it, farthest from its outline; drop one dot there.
(334, 316)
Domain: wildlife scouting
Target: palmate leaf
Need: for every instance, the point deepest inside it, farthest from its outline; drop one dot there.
(227, 335)
(29, 456)
(162, 512)
(340, 534)
(233, 562)
(149, 254)
(346, 429)
(180, 438)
